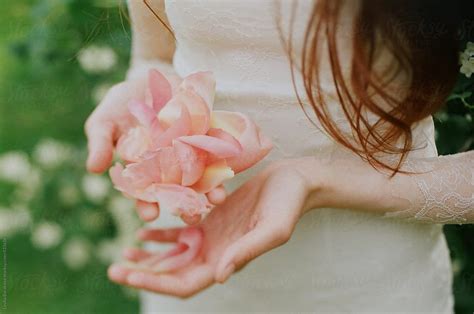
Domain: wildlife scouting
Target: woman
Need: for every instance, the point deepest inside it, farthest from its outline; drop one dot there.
(372, 75)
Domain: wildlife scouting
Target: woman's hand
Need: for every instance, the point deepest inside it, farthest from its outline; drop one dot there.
(108, 122)
(258, 217)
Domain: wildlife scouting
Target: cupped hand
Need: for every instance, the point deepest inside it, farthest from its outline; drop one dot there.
(259, 216)
(108, 122)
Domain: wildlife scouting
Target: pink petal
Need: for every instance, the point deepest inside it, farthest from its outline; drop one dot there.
(143, 173)
(192, 238)
(198, 109)
(169, 165)
(255, 145)
(120, 183)
(213, 176)
(142, 112)
(192, 162)
(216, 146)
(132, 145)
(179, 200)
(223, 135)
(203, 84)
(160, 89)
(186, 249)
(180, 127)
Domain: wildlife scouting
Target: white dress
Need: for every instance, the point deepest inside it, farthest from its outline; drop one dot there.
(337, 260)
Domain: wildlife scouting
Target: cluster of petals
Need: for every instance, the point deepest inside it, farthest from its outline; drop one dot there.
(180, 149)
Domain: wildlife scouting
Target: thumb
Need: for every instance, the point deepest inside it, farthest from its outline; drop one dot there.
(253, 244)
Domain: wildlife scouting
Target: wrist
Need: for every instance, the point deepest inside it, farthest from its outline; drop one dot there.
(347, 182)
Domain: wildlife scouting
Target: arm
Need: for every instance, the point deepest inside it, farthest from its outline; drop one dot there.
(152, 47)
(261, 215)
(152, 44)
(436, 190)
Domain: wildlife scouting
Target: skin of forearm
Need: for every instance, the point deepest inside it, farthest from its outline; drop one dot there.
(436, 190)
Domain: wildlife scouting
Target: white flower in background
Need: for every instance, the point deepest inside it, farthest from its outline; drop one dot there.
(109, 251)
(467, 60)
(76, 253)
(13, 221)
(46, 235)
(95, 187)
(126, 221)
(124, 216)
(68, 194)
(28, 186)
(14, 166)
(97, 59)
(51, 153)
(99, 92)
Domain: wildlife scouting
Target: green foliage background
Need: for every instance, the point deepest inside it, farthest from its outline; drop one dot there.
(45, 93)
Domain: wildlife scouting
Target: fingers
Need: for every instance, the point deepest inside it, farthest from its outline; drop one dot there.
(147, 211)
(278, 209)
(182, 284)
(217, 196)
(100, 136)
(159, 235)
(135, 254)
(251, 245)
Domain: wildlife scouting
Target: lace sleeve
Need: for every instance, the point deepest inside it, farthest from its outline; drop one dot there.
(437, 190)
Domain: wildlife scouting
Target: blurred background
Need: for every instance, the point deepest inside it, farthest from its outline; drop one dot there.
(60, 227)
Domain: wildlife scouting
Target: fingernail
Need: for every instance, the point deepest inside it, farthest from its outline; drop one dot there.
(227, 272)
(136, 279)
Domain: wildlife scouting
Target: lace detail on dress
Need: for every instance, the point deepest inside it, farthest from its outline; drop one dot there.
(445, 189)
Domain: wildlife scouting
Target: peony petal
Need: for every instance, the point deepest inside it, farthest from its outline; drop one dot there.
(188, 246)
(214, 175)
(144, 114)
(132, 145)
(216, 146)
(169, 166)
(198, 109)
(160, 89)
(143, 173)
(192, 162)
(180, 127)
(203, 84)
(179, 199)
(121, 183)
(255, 145)
(192, 238)
(223, 135)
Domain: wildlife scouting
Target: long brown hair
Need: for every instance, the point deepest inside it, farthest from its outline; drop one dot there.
(421, 35)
